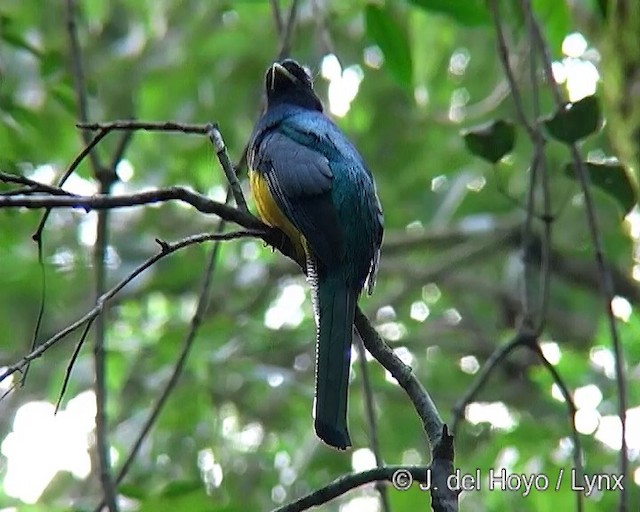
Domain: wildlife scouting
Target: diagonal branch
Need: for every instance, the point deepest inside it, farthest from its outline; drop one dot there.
(346, 483)
(165, 249)
(443, 497)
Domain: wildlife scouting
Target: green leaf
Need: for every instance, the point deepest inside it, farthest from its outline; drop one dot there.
(490, 141)
(392, 40)
(613, 179)
(465, 12)
(575, 121)
(182, 487)
(132, 491)
(14, 36)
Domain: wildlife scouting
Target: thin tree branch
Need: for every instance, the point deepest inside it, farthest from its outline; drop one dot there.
(346, 483)
(121, 148)
(148, 126)
(370, 414)
(443, 497)
(287, 36)
(41, 309)
(547, 218)
(218, 143)
(37, 236)
(606, 289)
(34, 186)
(78, 76)
(571, 408)
(105, 177)
(418, 395)
(103, 446)
(71, 364)
(604, 273)
(527, 238)
(503, 52)
(105, 202)
(321, 23)
(211, 130)
(545, 257)
(196, 321)
(277, 16)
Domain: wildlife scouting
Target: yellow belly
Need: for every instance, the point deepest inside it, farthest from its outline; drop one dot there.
(272, 215)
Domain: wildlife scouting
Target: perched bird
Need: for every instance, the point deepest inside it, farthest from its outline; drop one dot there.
(309, 181)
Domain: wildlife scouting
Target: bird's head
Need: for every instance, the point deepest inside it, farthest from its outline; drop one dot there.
(288, 82)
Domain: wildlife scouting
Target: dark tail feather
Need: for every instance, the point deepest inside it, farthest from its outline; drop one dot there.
(333, 354)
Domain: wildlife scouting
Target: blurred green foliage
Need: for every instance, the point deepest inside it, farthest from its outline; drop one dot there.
(430, 69)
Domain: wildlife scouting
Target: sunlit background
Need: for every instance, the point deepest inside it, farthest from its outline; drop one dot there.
(43, 444)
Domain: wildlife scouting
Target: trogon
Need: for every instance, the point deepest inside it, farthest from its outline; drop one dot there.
(309, 181)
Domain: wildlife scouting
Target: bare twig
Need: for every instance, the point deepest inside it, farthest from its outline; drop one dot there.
(102, 438)
(571, 408)
(37, 236)
(41, 309)
(443, 497)
(537, 171)
(604, 273)
(370, 414)
(34, 186)
(147, 126)
(78, 75)
(547, 217)
(105, 202)
(277, 16)
(71, 364)
(503, 52)
(421, 400)
(345, 483)
(287, 35)
(221, 150)
(606, 288)
(211, 130)
(121, 148)
(545, 257)
(105, 177)
(317, 7)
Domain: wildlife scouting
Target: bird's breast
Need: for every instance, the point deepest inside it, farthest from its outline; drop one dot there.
(270, 213)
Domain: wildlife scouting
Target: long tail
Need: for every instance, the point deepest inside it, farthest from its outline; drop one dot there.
(336, 305)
